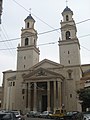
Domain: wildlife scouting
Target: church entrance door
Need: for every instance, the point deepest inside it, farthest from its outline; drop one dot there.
(44, 102)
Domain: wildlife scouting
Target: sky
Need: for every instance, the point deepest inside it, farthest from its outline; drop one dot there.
(47, 14)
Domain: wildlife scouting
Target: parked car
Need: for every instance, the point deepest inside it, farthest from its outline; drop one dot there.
(45, 114)
(58, 114)
(8, 116)
(17, 114)
(1, 115)
(87, 116)
(31, 114)
(73, 115)
(37, 114)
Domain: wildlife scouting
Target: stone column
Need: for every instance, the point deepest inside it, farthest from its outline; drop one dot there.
(35, 97)
(54, 96)
(59, 95)
(29, 97)
(48, 96)
(26, 95)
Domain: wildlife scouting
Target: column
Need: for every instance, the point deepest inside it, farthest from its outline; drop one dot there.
(59, 95)
(48, 96)
(29, 97)
(35, 97)
(54, 96)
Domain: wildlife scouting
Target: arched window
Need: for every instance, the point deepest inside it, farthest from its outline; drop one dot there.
(67, 35)
(28, 25)
(67, 18)
(68, 52)
(69, 74)
(69, 61)
(26, 41)
(34, 42)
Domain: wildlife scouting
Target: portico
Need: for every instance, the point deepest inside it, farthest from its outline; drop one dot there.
(44, 91)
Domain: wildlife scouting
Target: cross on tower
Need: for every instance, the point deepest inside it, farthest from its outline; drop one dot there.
(66, 2)
(30, 10)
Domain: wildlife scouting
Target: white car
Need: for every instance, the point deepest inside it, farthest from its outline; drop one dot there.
(17, 114)
(45, 114)
(86, 116)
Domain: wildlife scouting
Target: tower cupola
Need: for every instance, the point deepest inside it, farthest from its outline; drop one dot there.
(67, 9)
(29, 22)
(67, 14)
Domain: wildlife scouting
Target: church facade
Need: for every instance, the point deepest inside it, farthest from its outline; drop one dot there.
(45, 85)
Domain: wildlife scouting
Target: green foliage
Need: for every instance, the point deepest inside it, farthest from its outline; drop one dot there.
(84, 96)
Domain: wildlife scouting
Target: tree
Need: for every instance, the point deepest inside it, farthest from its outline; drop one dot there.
(84, 96)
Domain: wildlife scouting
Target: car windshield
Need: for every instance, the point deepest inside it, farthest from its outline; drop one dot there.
(71, 113)
(16, 113)
(45, 112)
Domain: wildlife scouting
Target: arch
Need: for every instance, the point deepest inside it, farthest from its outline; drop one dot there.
(28, 25)
(67, 35)
(26, 41)
(34, 42)
(67, 18)
(69, 73)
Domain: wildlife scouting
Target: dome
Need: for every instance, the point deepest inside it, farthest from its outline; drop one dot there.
(29, 17)
(67, 10)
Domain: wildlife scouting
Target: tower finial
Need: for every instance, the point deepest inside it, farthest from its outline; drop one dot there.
(66, 3)
(30, 10)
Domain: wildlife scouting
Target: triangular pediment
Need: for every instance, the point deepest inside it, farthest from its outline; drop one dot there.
(25, 33)
(28, 32)
(12, 78)
(47, 64)
(42, 73)
(68, 26)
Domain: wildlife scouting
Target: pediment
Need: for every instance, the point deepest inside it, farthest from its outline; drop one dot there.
(25, 33)
(47, 64)
(41, 73)
(68, 26)
(12, 77)
(28, 32)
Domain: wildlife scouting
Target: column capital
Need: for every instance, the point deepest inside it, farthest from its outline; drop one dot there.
(59, 80)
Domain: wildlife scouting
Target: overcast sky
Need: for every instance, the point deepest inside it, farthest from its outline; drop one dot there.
(47, 14)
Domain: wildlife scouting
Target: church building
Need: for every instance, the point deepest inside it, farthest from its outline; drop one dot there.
(45, 85)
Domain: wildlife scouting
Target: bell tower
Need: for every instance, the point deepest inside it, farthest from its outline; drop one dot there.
(69, 49)
(27, 52)
(69, 46)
